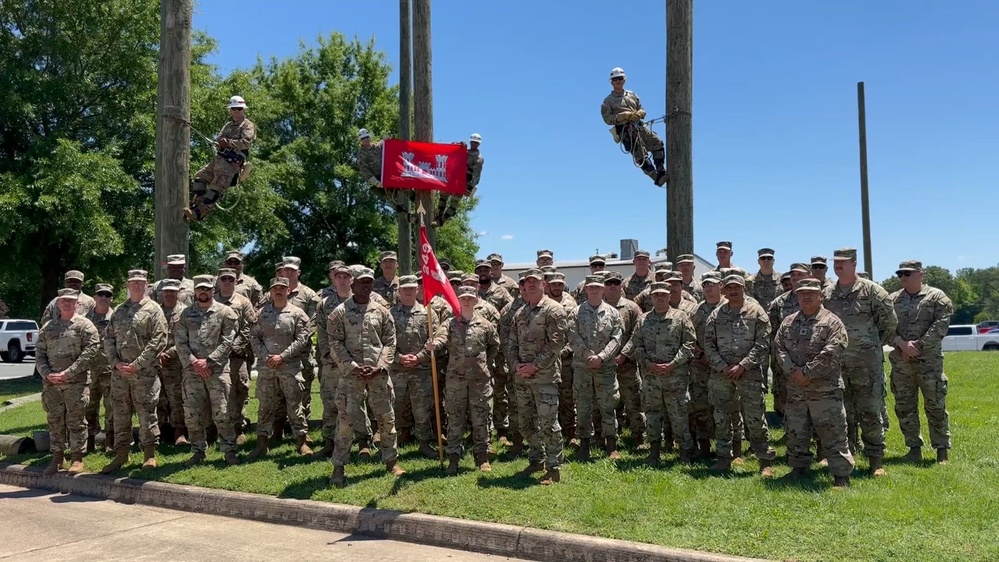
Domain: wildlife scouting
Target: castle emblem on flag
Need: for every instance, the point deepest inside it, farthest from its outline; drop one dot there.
(411, 169)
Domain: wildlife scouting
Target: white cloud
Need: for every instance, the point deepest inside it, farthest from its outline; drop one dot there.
(483, 233)
(506, 237)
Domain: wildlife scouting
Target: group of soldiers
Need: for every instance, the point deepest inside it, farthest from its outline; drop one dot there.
(681, 361)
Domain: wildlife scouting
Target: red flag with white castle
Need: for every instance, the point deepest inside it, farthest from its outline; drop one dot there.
(434, 280)
(424, 165)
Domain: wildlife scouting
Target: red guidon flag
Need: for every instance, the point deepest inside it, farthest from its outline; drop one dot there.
(424, 165)
(434, 280)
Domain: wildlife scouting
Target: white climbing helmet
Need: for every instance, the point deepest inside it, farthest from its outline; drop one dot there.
(617, 73)
(363, 134)
(476, 137)
(237, 101)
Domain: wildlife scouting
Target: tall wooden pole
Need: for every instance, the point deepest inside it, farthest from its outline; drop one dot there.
(405, 120)
(865, 205)
(173, 134)
(423, 96)
(679, 135)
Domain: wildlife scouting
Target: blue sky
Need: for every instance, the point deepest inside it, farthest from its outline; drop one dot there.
(774, 117)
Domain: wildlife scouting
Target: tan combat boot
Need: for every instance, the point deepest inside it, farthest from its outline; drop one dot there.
(231, 458)
(326, 452)
(655, 453)
(427, 450)
(303, 447)
(610, 446)
(452, 465)
(583, 453)
(530, 470)
(56, 464)
(77, 466)
(261, 448)
(876, 470)
(393, 468)
(149, 457)
(180, 436)
(552, 476)
(766, 469)
(120, 460)
(483, 462)
(196, 459)
(338, 478)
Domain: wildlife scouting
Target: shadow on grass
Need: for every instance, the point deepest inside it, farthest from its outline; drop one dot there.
(901, 461)
(513, 482)
(25, 430)
(704, 473)
(789, 483)
(305, 489)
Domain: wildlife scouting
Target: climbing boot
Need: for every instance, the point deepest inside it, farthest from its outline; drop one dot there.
(452, 465)
(610, 447)
(231, 458)
(393, 468)
(661, 178)
(915, 455)
(55, 465)
(530, 470)
(77, 466)
(120, 460)
(338, 478)
(552, 476)
(655, 453)
(149, 457)
(196, 459)
(303, 447)
(876, 470)
(942, 456)
(427, 450)
(260, 450)
(583, 453)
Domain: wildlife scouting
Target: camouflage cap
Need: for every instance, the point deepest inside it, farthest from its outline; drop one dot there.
(444, 263)
(455, 275)
(292, 262)
(535, 273)
(786, 276)
(845, 254)
(665, 266)
(363, 272)
(103, 288)
(467, 292)
(495, 258)
(661, 273)
(600, 273)
(819, 260)
(724, 244)
(734, 280)
(279, 282)
(68, 294)
(170, 285)
(658, 287)
(548, 268)
(176, 259)
(864, 275)
(470, 278)
(227, 272)
(726, 271)
(278, 265)
(388, 255)
(204, 281)
(613, 276)
(138, 275)
(546, 254)
(910, 265)
(801, 267)
(482, 264)
(685, 258)
(408, 281)
(808, 284)
(555, 277)
(674, 276)
(335, 264)
(642, 254)
(712, 277)
(234, 255)
(597, 259)
(73, 274)
(765, 253)
(594, 281)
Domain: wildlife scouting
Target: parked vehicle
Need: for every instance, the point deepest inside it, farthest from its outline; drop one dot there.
(17, 339)
(965, 337)
(987, 326)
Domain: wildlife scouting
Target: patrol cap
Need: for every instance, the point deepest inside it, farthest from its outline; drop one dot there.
(388, 255)
(535, 273)
(278, 265)
(467, 293)
(658, 287)
(455, 275)
(470, 278)
(642, 253)
(363, 272)
(279, 282)
(674, 276)
(802, 267)
(363, 134)
(661, 273)
(910, 265)
(712, 277)
(724, 244)
(68, 294)
(664, 266)
(613, 276)
(476, 137)
(408, 281)
(495, 258)
(594, 281)
(685, 258)
(598, 259)
(845, 254)
(104, 288)
(482, 264)
(138, 275)
(445, 264)
(335, 264)
(726, 271)
(786, 276)
(808, 284)
(765, 252)
(555, 277)
(176, 259)
(546, 254)
(548, 268)
(170, 285)
(735, 280)
(234, 255)
(819, 260)
(864, 275)
(227, 272)
(73, 274)
(204, 281)
(237, 101)
(292, 262)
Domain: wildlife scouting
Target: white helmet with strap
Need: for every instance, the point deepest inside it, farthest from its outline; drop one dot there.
(476, 137)
(237, 101)
(618, 73)
(363, 134)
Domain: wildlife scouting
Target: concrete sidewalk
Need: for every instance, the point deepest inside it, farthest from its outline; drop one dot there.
(47, 526)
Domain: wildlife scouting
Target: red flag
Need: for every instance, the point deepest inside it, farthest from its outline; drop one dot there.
(424, 165)
(434, 280)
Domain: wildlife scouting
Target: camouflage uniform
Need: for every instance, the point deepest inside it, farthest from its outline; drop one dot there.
(240, 358)
(100, 382)
(136, 335)
(595, 331)
(171, 402)
(69, 347)
(815, 345)
(363, 335)
(308, 300)
(207, 334)
(505, 402)
(628, 378)
(636, 137)
(693, 288)
(283, 332)
(329, 374)
(738, 337)
(388, 288)
(414, 391)
(84, 305)
(537, 335)
(665, 338)
(184, 298)
(924, 318)
(472, 347)
(783, 306)
(866, 311)
(214, 179)
(766, 288)
(566, 393)
(250, 288)
(701, 416)
(634, 284)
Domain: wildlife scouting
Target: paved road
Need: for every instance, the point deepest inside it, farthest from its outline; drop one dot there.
(45, 526)
(17, 370)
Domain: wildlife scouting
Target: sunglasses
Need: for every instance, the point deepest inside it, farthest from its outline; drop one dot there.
(818, 266)
(767, 258)
(232, 262)
(104, 295)
(618, 79)
(614, 282)
(227, 279)
(235, 109)
(902, 274)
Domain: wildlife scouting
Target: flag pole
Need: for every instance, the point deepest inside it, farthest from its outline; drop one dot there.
(433, 359)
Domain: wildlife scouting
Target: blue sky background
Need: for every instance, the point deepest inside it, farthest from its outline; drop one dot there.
(775, 124)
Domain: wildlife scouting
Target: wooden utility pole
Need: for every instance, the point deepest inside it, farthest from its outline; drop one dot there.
(423, 100)
(173, 133)
(405, 131)
(865, 205)
(679, 135)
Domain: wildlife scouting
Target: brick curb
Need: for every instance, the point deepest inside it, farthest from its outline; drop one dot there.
(487, 538)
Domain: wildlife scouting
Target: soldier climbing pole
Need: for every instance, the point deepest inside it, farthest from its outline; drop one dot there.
(679, 157)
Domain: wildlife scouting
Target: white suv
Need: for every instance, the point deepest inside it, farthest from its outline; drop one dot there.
(17, 339)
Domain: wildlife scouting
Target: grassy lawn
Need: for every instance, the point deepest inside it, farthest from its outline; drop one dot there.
(923, 512)
(12, 388)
